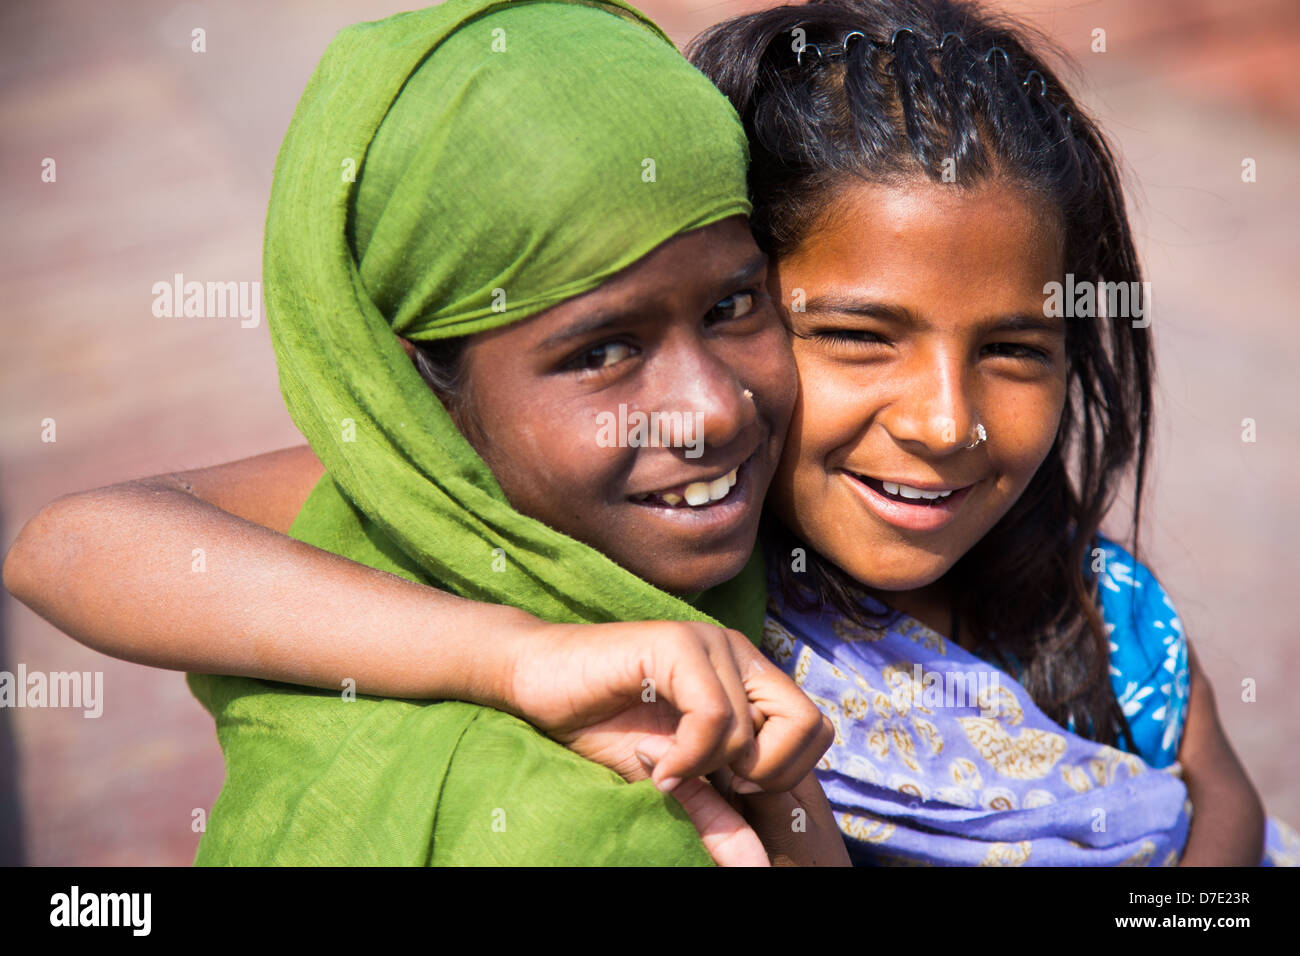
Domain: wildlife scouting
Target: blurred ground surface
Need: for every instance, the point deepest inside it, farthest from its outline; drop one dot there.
(164, 165)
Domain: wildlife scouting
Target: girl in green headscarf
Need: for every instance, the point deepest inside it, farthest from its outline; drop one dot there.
(551, 187)
(550, 162)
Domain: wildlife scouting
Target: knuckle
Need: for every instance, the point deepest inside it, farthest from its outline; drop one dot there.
(716, 713)
(739, 739)
(713, 638)
(680, 630)
(682, 639)
(810, 716)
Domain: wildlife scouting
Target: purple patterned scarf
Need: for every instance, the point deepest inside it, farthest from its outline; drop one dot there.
(940, 758)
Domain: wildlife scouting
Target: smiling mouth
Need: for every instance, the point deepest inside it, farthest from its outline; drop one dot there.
(907, 494)
(695, 494)
(908, 507)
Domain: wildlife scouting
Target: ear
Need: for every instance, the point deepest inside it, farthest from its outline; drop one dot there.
(407, 347)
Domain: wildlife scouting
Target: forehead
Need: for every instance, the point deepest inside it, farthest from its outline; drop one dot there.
(933, 242)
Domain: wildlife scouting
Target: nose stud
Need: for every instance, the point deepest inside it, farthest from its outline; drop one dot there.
(981, 436)
(749, 395)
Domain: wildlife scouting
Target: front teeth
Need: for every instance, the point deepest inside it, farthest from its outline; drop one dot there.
(699, 493)
(907, 491)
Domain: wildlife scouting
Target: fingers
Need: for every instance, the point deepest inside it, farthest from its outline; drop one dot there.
(705, 686)
(710, 691)
(724, 832)
(793, 734)
(741, 736)
(651, 751)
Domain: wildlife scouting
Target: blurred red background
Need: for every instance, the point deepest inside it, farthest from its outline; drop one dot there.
(164, 165)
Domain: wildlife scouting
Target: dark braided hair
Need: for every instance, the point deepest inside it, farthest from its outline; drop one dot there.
(887, 90)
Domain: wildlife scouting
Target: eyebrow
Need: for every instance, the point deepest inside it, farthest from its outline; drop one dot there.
(639, 308)
(1013, 322)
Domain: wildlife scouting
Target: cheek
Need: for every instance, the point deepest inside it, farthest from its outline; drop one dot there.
(542, 451)
(830, 414)
(1023, 427)
(779, 375)
(764, 363)
(551, 466)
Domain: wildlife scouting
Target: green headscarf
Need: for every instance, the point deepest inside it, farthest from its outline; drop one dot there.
(449, 171)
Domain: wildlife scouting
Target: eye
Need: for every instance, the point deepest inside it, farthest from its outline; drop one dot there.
(733, 306)
(600, 356)
(1017, 351)
(846, 337)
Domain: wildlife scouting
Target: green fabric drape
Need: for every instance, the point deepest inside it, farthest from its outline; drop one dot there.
(448, 171)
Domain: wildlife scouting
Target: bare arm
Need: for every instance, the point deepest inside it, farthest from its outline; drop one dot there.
(1228, 817)
(114, 569)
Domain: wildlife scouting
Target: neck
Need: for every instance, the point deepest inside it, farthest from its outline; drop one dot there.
(931, 605)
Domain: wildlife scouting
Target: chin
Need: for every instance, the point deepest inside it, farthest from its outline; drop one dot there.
(899, 583)
(900, 573)
(696, 575)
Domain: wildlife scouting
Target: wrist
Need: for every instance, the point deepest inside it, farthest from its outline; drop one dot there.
(495, 660)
